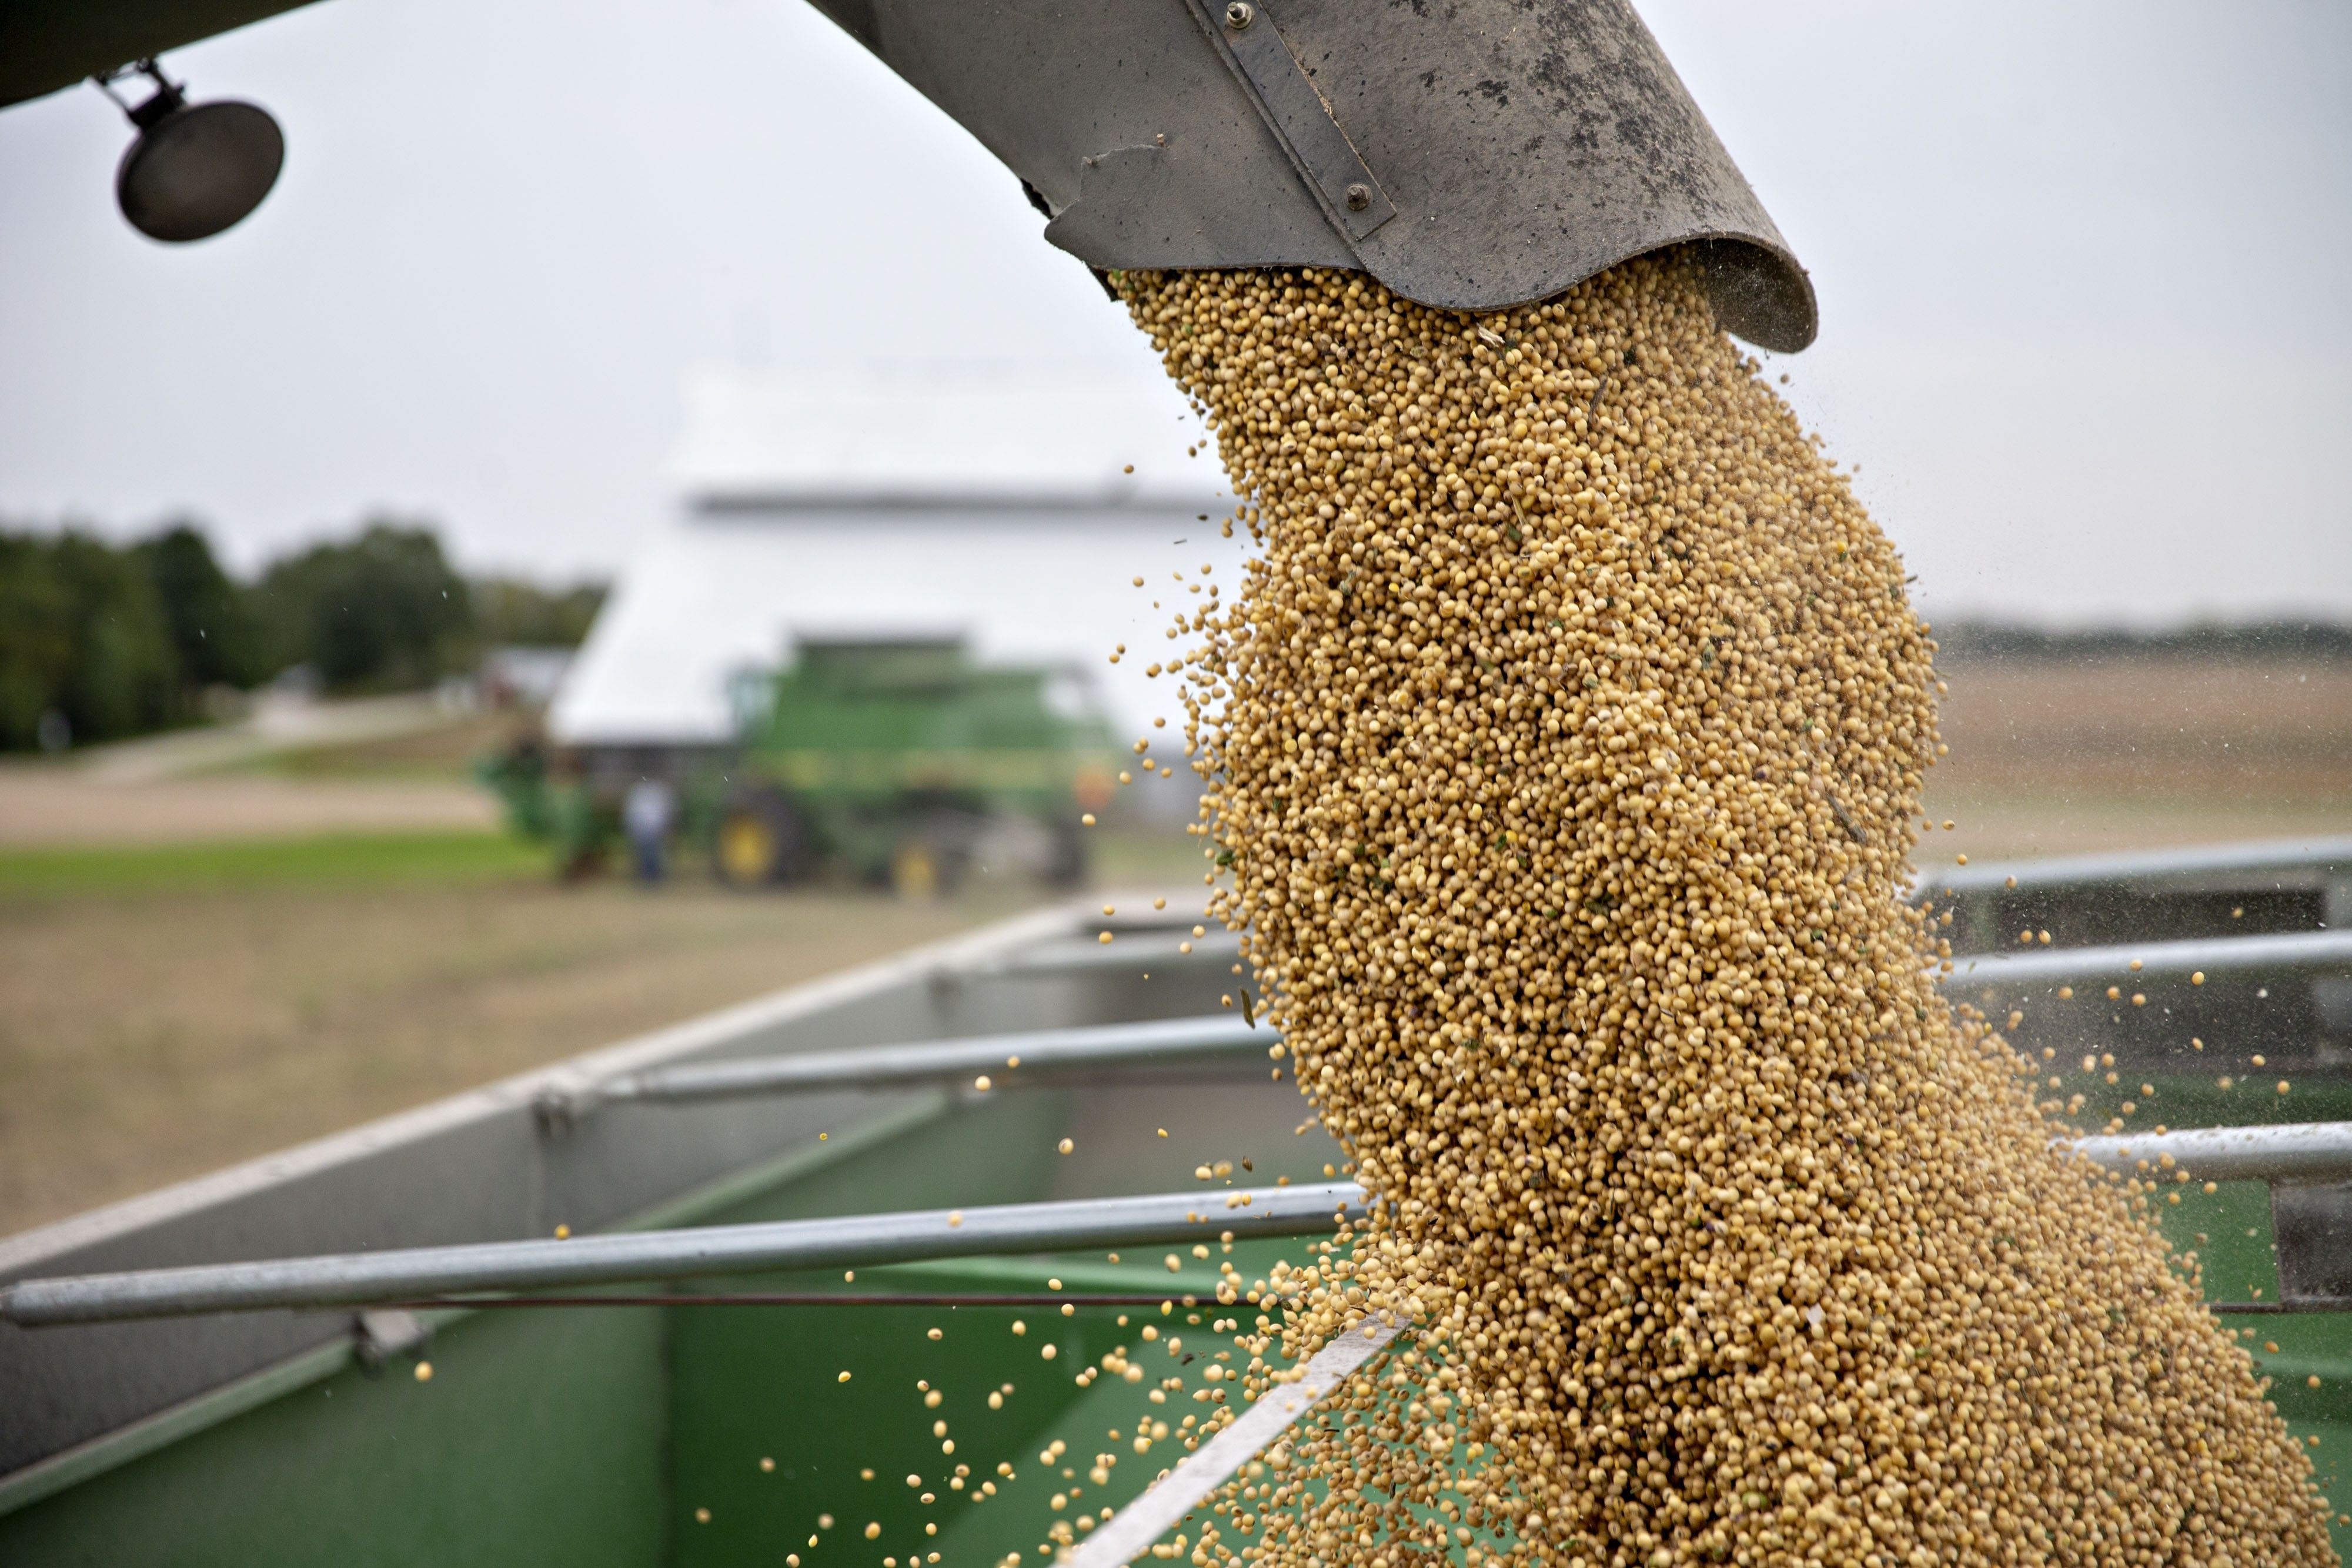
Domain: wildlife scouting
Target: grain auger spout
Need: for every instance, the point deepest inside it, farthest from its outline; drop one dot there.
(1472, 156)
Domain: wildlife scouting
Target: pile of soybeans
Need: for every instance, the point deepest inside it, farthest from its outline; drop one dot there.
(1565, 746)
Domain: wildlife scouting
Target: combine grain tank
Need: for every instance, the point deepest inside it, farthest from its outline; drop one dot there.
(907, 761)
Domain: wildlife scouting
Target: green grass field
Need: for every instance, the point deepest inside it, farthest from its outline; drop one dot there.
(332, 860)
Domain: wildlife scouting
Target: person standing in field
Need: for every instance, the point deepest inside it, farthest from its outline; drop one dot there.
(646, 817)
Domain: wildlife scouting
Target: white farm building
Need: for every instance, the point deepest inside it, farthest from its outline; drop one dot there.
(1003, 509)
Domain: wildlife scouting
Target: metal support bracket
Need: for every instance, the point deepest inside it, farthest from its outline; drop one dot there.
(380, 1333)
(555, 1111)
(1298, 114)
(2311, 1236)
(1133, 1529)
(2308, 1166)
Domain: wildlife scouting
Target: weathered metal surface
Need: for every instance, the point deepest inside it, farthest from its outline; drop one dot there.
(1350, 194)
(1523, 148)
(1472, 156)
(2311, 1232)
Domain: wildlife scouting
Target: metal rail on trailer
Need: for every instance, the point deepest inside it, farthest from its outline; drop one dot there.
(986, 1062)
(2299, 884)
(359, 1279)
(2310, 1154)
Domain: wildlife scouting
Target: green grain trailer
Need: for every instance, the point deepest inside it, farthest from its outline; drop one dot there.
(673, 1430)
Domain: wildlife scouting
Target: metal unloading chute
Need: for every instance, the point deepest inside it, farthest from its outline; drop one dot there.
(1471, 155)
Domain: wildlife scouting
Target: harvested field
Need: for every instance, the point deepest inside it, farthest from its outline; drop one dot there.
(2052, 756)
(384, 765)
(147, 1038)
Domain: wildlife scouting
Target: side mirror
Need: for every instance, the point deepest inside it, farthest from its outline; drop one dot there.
(196, 168)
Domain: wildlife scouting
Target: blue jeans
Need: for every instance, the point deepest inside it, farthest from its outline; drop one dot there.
(648, 853)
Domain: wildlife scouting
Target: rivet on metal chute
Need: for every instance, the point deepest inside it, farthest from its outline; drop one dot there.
(194, 169)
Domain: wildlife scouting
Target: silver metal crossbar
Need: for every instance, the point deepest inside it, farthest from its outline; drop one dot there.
(2303, 1153)
(1040, 1053)
(359, 1278)
(2199, 864)
(2293, 1152)
(1006, 1058)
(2279, 953)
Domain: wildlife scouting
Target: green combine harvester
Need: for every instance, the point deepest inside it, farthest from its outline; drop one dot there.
(898, 761)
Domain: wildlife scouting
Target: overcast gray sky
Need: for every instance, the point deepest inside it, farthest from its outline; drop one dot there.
(2081, 267)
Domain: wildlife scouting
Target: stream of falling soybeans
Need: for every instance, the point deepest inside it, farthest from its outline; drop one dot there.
(1562, 757)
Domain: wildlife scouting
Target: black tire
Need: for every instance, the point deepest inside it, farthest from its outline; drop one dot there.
(1065, 857)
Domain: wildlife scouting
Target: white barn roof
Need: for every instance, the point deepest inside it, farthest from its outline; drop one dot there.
(956, 435)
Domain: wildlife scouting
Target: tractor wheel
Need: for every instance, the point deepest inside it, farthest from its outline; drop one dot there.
(917, 873)
(931, 857)
(758, 842)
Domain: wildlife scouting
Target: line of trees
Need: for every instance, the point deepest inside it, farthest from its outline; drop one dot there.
(2274, 639)
(100, 640)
